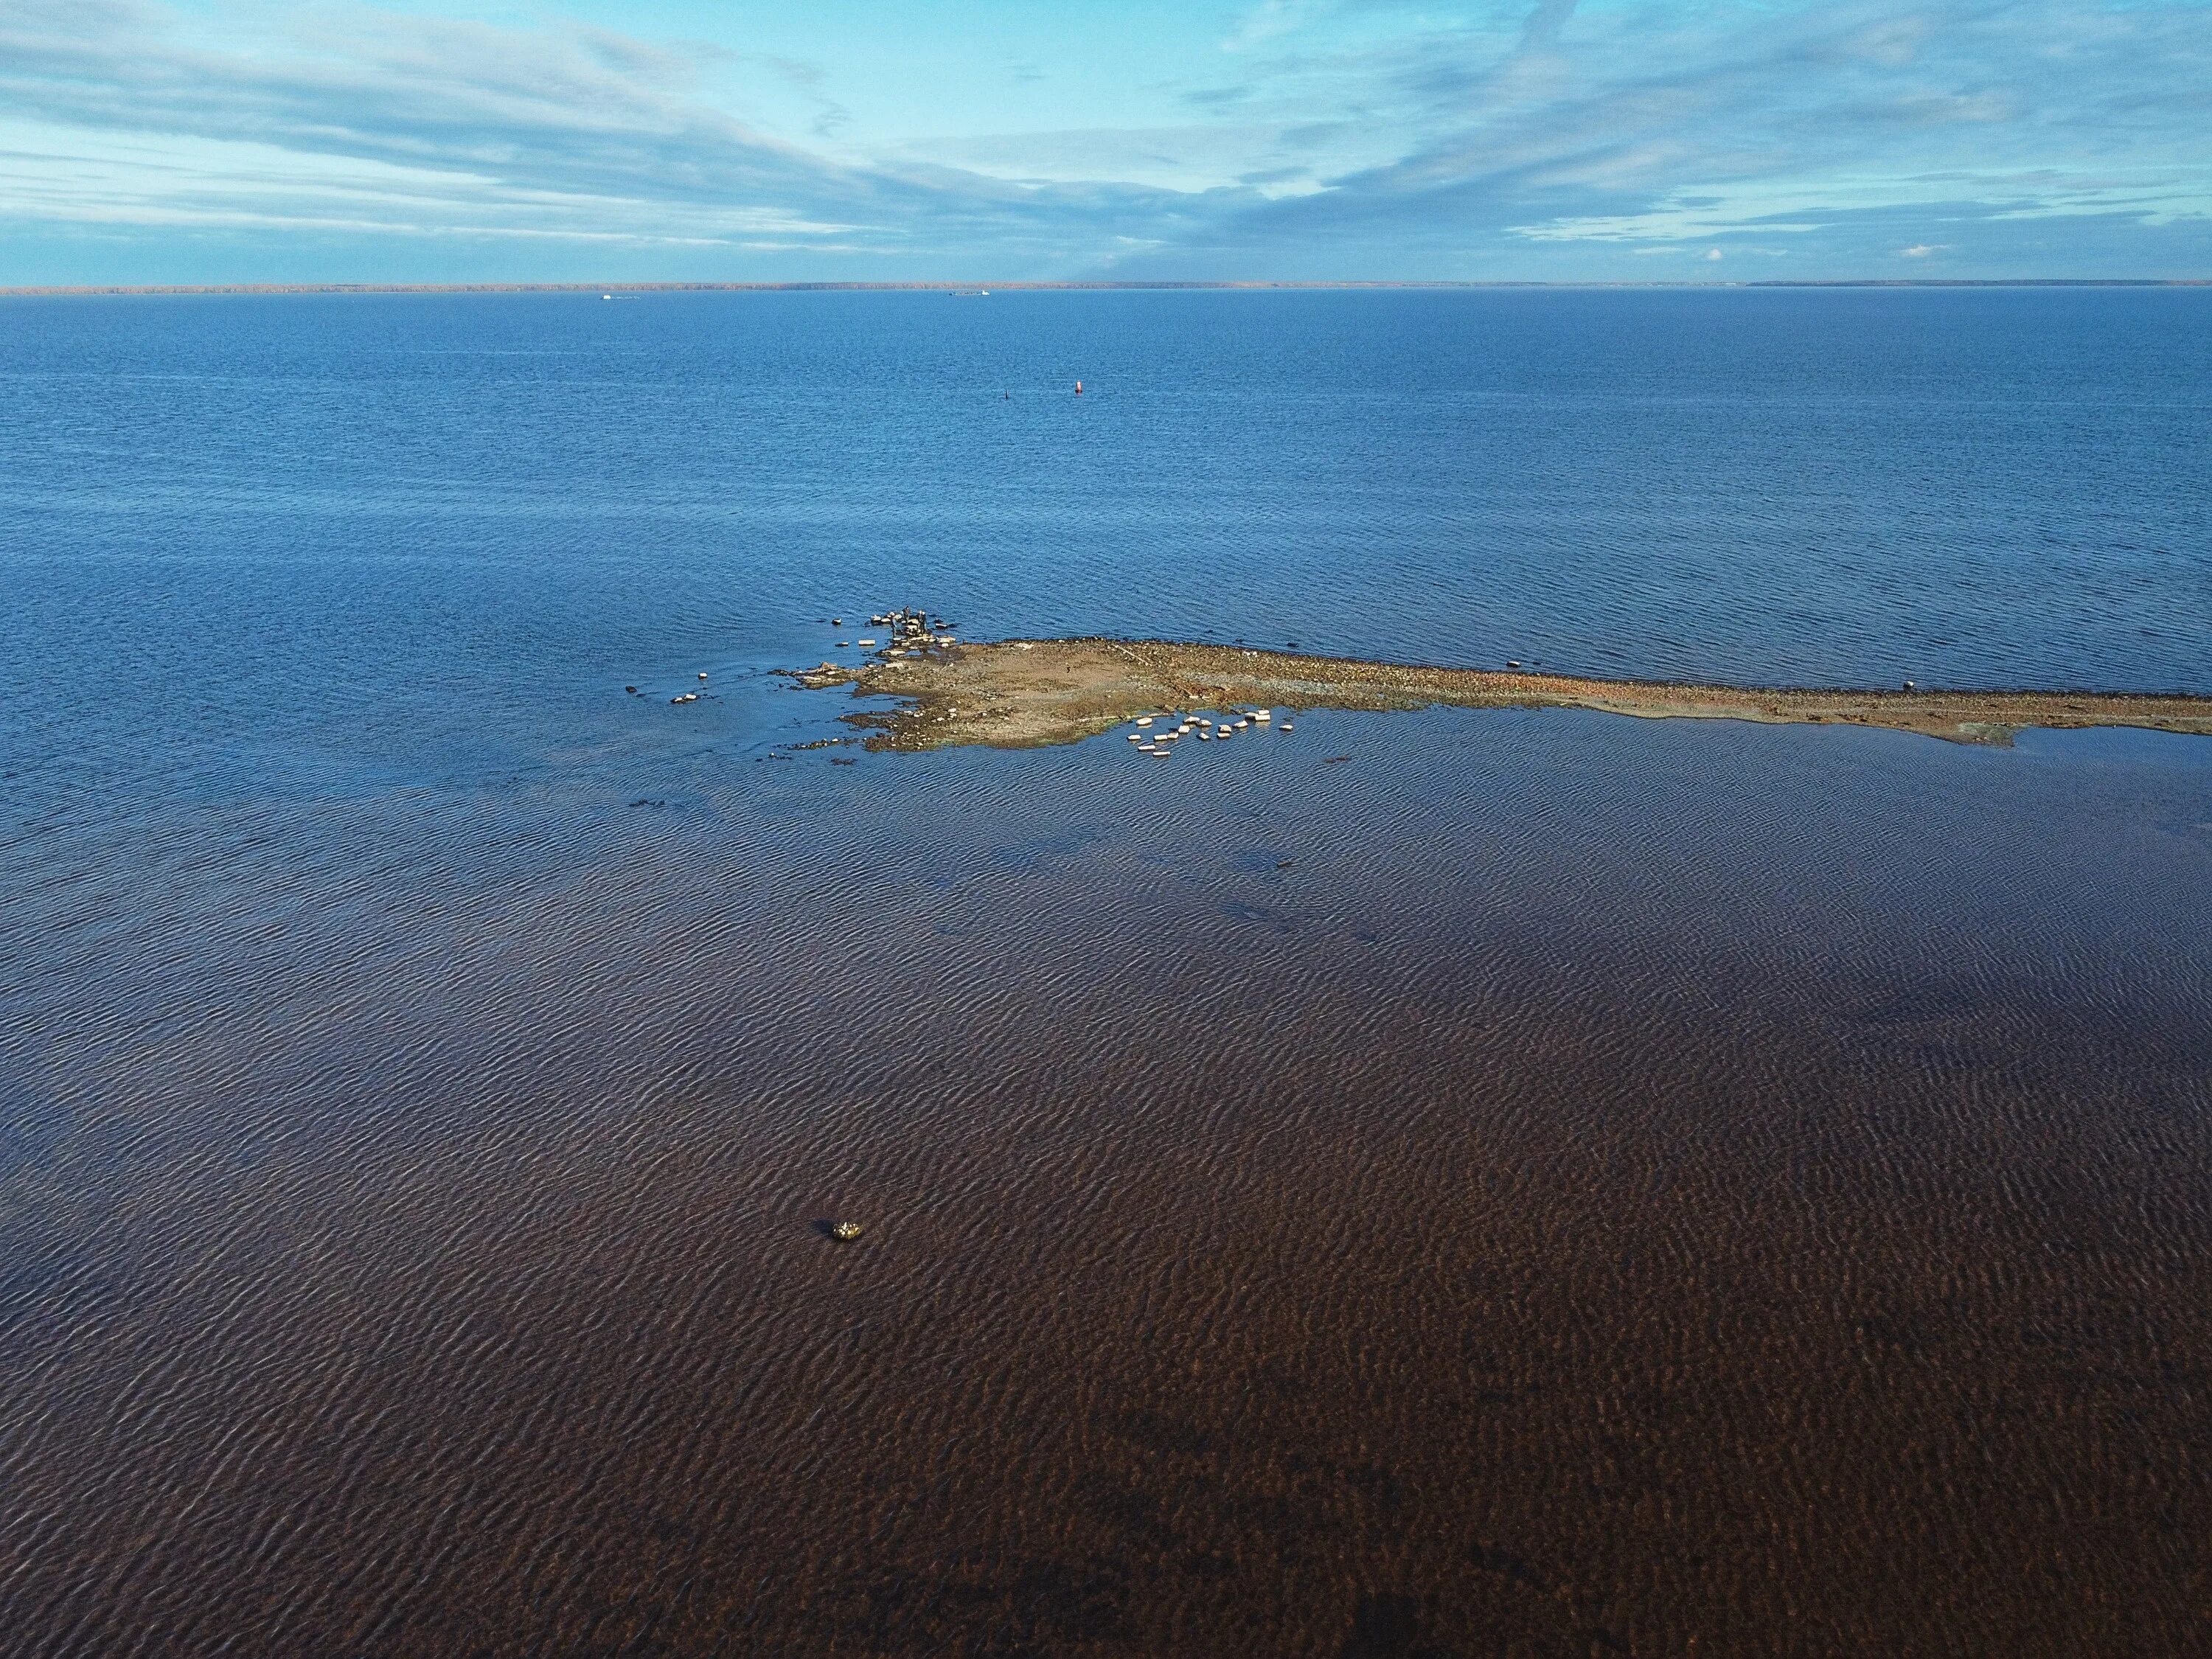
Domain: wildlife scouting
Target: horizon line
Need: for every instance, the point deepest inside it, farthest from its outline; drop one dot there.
(127, 290)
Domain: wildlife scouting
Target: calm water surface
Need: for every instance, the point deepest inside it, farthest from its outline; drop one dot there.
(1542, 1183)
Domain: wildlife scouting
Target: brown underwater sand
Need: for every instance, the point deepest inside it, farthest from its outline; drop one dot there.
(1482, 1200)
(1024, 693)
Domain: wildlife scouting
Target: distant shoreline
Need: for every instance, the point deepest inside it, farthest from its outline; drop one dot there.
(91, 290)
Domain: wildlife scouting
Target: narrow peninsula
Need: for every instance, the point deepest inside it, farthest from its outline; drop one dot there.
(1027, 694)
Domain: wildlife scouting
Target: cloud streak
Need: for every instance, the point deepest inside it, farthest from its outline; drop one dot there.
(1345, 140)
(1653, 124)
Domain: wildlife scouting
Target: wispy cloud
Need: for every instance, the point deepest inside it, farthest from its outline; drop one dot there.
(1269, 20)
(120, 113)
(1547, 18)
(1350, 138)
(1658, 123)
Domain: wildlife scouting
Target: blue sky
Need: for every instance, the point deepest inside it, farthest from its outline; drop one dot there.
(154, 141)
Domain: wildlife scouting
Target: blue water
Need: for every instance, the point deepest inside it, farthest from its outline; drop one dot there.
(352, 538)
(1428, 1182)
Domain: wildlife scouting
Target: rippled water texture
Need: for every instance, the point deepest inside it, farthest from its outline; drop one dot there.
(1542, 1183)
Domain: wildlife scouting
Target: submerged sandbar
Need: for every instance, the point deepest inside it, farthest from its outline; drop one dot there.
(1026, 694)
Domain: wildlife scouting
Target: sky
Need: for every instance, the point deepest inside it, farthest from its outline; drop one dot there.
(458, 141)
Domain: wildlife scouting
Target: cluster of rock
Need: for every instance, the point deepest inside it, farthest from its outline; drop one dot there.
(912, 630)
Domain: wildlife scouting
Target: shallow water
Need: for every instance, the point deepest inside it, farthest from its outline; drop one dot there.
(1545, 1183)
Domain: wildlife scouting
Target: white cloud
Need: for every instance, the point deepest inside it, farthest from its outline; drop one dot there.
(1271, 19)
(1360, 136)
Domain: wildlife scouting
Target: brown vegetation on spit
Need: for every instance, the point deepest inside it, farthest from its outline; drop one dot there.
(1024, 693)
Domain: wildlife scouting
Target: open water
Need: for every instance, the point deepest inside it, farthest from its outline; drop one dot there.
(1543, 1183)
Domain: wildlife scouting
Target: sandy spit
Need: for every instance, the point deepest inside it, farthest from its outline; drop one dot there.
(1026, 694)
